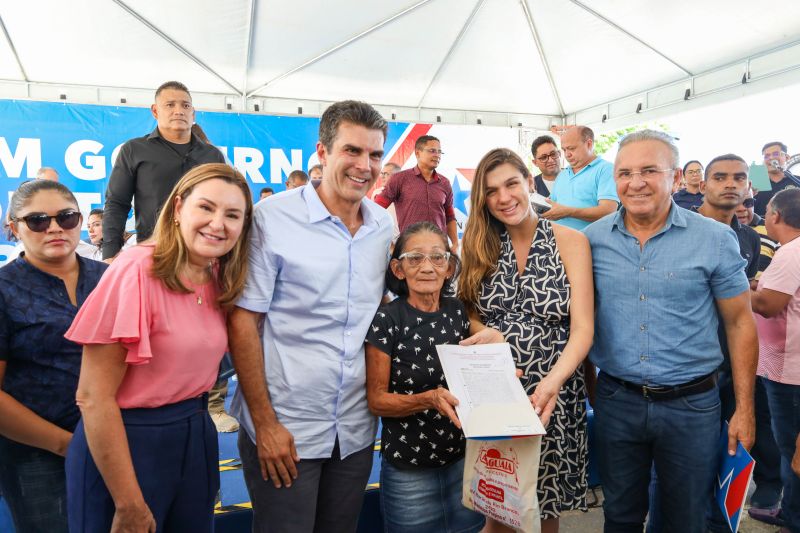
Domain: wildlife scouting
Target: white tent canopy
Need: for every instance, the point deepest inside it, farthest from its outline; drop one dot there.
(506, 62)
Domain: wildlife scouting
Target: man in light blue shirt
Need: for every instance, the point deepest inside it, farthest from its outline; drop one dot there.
(656, 400)
(318, 255)
(584, 191)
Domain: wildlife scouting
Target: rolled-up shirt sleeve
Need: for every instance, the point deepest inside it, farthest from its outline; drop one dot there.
(729, 279)
(263, 268)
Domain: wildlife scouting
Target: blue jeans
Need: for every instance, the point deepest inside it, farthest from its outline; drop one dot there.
(784, 406)
(678, 436)
(33, 484)
(425, 500)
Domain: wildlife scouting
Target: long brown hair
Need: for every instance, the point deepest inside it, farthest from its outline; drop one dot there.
(480, 247)
(170, 256)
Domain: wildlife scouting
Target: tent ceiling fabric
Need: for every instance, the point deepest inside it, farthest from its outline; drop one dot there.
(472, 55)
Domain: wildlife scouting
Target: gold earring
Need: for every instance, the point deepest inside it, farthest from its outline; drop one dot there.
(177, 222)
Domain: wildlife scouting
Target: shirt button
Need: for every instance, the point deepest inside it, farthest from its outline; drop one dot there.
(637, 242)
(348, 333)
(348, 363)
(642, 297)
(643, 327)
(643, 357)
(642, 269)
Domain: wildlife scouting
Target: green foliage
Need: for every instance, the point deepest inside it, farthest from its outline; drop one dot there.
(604, 142)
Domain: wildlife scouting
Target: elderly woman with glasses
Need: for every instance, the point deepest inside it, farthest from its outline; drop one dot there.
(422, 445)
(41, 291)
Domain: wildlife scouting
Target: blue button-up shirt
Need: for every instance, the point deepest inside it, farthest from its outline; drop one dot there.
(592, 183)
(42, 367)
(320, 288)
(656, 321)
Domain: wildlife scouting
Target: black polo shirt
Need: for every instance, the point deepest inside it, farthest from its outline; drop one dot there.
(145, 172)
(750, 248)
(688, 200)
(789, 181)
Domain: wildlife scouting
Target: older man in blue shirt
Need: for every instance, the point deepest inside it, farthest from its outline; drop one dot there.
(584, 191)
(657, 400)
(318, 256)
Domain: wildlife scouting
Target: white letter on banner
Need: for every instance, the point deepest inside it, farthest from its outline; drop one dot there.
(249, 161)
(279, 165)
(28, 150)
(95, 168)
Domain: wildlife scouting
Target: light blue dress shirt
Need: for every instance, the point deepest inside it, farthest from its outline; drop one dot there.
(319, 287)
(656, 320)
(592, 183)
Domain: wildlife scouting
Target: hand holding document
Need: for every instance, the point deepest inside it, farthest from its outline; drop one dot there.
(492, 402)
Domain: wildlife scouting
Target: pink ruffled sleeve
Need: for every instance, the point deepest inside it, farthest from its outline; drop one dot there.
(118, 309)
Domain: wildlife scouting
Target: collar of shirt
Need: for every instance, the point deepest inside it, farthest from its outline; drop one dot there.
(674, 218)
(571, 173)
(317, 210)
(434, 177)
(155, 134)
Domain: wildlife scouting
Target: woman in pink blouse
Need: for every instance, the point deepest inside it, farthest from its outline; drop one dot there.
(144, 457)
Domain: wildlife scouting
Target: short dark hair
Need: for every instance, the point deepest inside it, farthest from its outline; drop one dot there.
(96, 211)
(297, 175)
(423, 140)
(586, 133)
(784, 148)
(178, 86)
(400, 286)
(318, 165)
(724, 157)
(266, 189)
(690, 162)
(354, 112)
(540, 140)
(787, 204)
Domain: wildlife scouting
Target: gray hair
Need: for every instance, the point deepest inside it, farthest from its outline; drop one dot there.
(787, 204)
(653, 135)
(358, 113)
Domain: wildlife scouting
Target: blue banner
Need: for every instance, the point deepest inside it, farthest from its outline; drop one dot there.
(81, 142)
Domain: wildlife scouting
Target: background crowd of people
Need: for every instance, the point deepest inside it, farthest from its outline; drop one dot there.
(667, 295)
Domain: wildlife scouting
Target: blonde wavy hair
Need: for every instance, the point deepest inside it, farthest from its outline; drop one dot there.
(480, 247)
(171, 256)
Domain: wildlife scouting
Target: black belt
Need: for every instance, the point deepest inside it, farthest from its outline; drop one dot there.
(664, 392)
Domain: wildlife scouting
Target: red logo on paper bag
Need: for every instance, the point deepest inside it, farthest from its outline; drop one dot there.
(491, 491)
(494, 460)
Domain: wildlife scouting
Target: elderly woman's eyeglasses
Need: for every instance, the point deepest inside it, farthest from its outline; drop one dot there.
(415, 259)
(39, 222)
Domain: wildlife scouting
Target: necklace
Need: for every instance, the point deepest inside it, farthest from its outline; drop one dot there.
(199, 294)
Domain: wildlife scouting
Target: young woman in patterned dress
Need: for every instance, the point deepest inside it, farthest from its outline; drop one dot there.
(532, 281)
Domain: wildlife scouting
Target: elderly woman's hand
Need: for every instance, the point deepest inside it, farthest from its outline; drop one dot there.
(444, 402)
(484, 336)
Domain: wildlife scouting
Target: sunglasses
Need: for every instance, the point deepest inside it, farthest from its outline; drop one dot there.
(748, 203)
(39, 222)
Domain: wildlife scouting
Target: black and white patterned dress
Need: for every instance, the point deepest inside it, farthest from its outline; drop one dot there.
(532, 312)
(409, 336)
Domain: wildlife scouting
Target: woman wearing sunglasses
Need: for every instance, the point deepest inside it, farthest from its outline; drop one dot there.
(144, 456)
(40, 293)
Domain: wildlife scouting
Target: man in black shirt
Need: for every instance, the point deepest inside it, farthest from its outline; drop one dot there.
(147, 168)
(775, 157)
